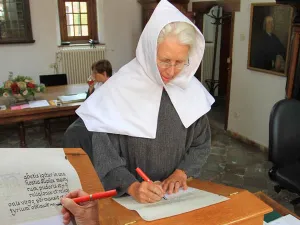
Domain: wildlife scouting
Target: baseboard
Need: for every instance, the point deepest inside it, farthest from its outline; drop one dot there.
(247, 140)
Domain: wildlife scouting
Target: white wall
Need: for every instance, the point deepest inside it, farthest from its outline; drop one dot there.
(252, 93)
(33, 59)
(119, 25)
(123, 24)
(190, 5)
(209, 31)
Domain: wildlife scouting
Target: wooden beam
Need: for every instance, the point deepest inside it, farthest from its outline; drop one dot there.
(156, 1)
(228, 5)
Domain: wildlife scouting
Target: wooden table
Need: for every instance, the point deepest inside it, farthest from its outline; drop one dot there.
(20, 116)
(242, 209)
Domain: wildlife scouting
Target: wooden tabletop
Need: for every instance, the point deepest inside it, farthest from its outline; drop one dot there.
(243, 208)
(13, 116)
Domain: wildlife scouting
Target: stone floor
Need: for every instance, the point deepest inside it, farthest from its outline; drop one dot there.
(231, 162)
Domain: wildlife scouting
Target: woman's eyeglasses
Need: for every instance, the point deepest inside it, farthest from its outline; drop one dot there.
(167, 64)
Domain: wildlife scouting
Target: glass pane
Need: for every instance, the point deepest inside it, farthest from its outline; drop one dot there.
(1, 12)
(22, 33)
(12, 24)
(19, 6)
(76, 18)
(77, 30)
(68, 7)
(84, 19)
(69, 19)
(83, 7)
(85, 30)
(70, 31)
(76, 7)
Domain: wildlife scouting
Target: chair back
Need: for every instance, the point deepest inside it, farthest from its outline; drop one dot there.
(54, 80)
(284, 132)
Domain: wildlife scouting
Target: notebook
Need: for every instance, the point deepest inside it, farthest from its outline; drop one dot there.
(72, 98)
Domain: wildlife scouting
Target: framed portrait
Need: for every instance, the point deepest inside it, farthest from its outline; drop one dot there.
(269, 41)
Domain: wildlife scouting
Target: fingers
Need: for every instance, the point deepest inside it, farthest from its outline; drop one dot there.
(76, 193)
(184, 185)
(63, 210)
(153, 188)
(157, 189)
(150, 192)
(165, 185)
(66, 218)
(177, 186)
(171, 188)
(153, 196)
(158, 182)
(70, 205)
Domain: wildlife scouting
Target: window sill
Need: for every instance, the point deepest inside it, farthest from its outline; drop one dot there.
(78, 45)
(17, 42)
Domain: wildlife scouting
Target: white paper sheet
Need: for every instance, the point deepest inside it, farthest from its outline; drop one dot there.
(39, 103)
(32, 181)
(54, 220)
(181, 202)
(285, 220)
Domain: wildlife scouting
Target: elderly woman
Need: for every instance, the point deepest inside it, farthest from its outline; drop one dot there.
(151, 114)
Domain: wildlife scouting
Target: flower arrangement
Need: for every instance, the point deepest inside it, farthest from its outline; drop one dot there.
(21, 87)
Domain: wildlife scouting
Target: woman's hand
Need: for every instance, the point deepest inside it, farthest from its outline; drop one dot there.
(91, 83)
(146, 192)
(175, 181)
(86, 213)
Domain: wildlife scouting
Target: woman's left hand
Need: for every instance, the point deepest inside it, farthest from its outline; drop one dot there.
(175, 181)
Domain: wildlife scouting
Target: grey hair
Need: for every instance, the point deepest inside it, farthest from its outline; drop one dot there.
(185, 33)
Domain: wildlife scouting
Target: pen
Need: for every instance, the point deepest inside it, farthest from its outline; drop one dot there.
(94, 196)
(145, 177)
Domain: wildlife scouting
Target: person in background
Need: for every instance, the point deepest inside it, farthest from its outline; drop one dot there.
(101, 72)
(77, 136)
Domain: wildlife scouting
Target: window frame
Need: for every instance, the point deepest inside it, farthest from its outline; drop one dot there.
(28, 37)
(92, 22)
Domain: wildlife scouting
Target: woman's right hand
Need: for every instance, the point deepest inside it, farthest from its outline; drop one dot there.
(146, 192)
(91, 82)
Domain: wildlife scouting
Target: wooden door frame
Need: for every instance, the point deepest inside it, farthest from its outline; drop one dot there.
(204, 7)
(294, 62)
(229, 73)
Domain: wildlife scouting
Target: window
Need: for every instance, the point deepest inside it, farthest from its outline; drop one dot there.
(15, 23)
(78, 20)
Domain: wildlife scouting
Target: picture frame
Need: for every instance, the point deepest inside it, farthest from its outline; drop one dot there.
(269, 38)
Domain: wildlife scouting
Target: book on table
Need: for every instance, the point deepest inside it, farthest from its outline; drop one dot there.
(72, 98)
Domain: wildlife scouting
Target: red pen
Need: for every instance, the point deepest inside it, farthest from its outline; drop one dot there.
(94, 196)
(145, 177)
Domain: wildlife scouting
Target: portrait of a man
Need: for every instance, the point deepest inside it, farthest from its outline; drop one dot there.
(269, 38)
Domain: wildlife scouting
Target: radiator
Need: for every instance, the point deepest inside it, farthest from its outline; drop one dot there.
(207, 63)
(76, 63)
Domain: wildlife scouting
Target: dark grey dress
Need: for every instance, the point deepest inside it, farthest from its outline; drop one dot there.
(77, 136)
(115, 157)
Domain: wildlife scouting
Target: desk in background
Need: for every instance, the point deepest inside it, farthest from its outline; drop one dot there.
(20, 116)
(242, 209)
